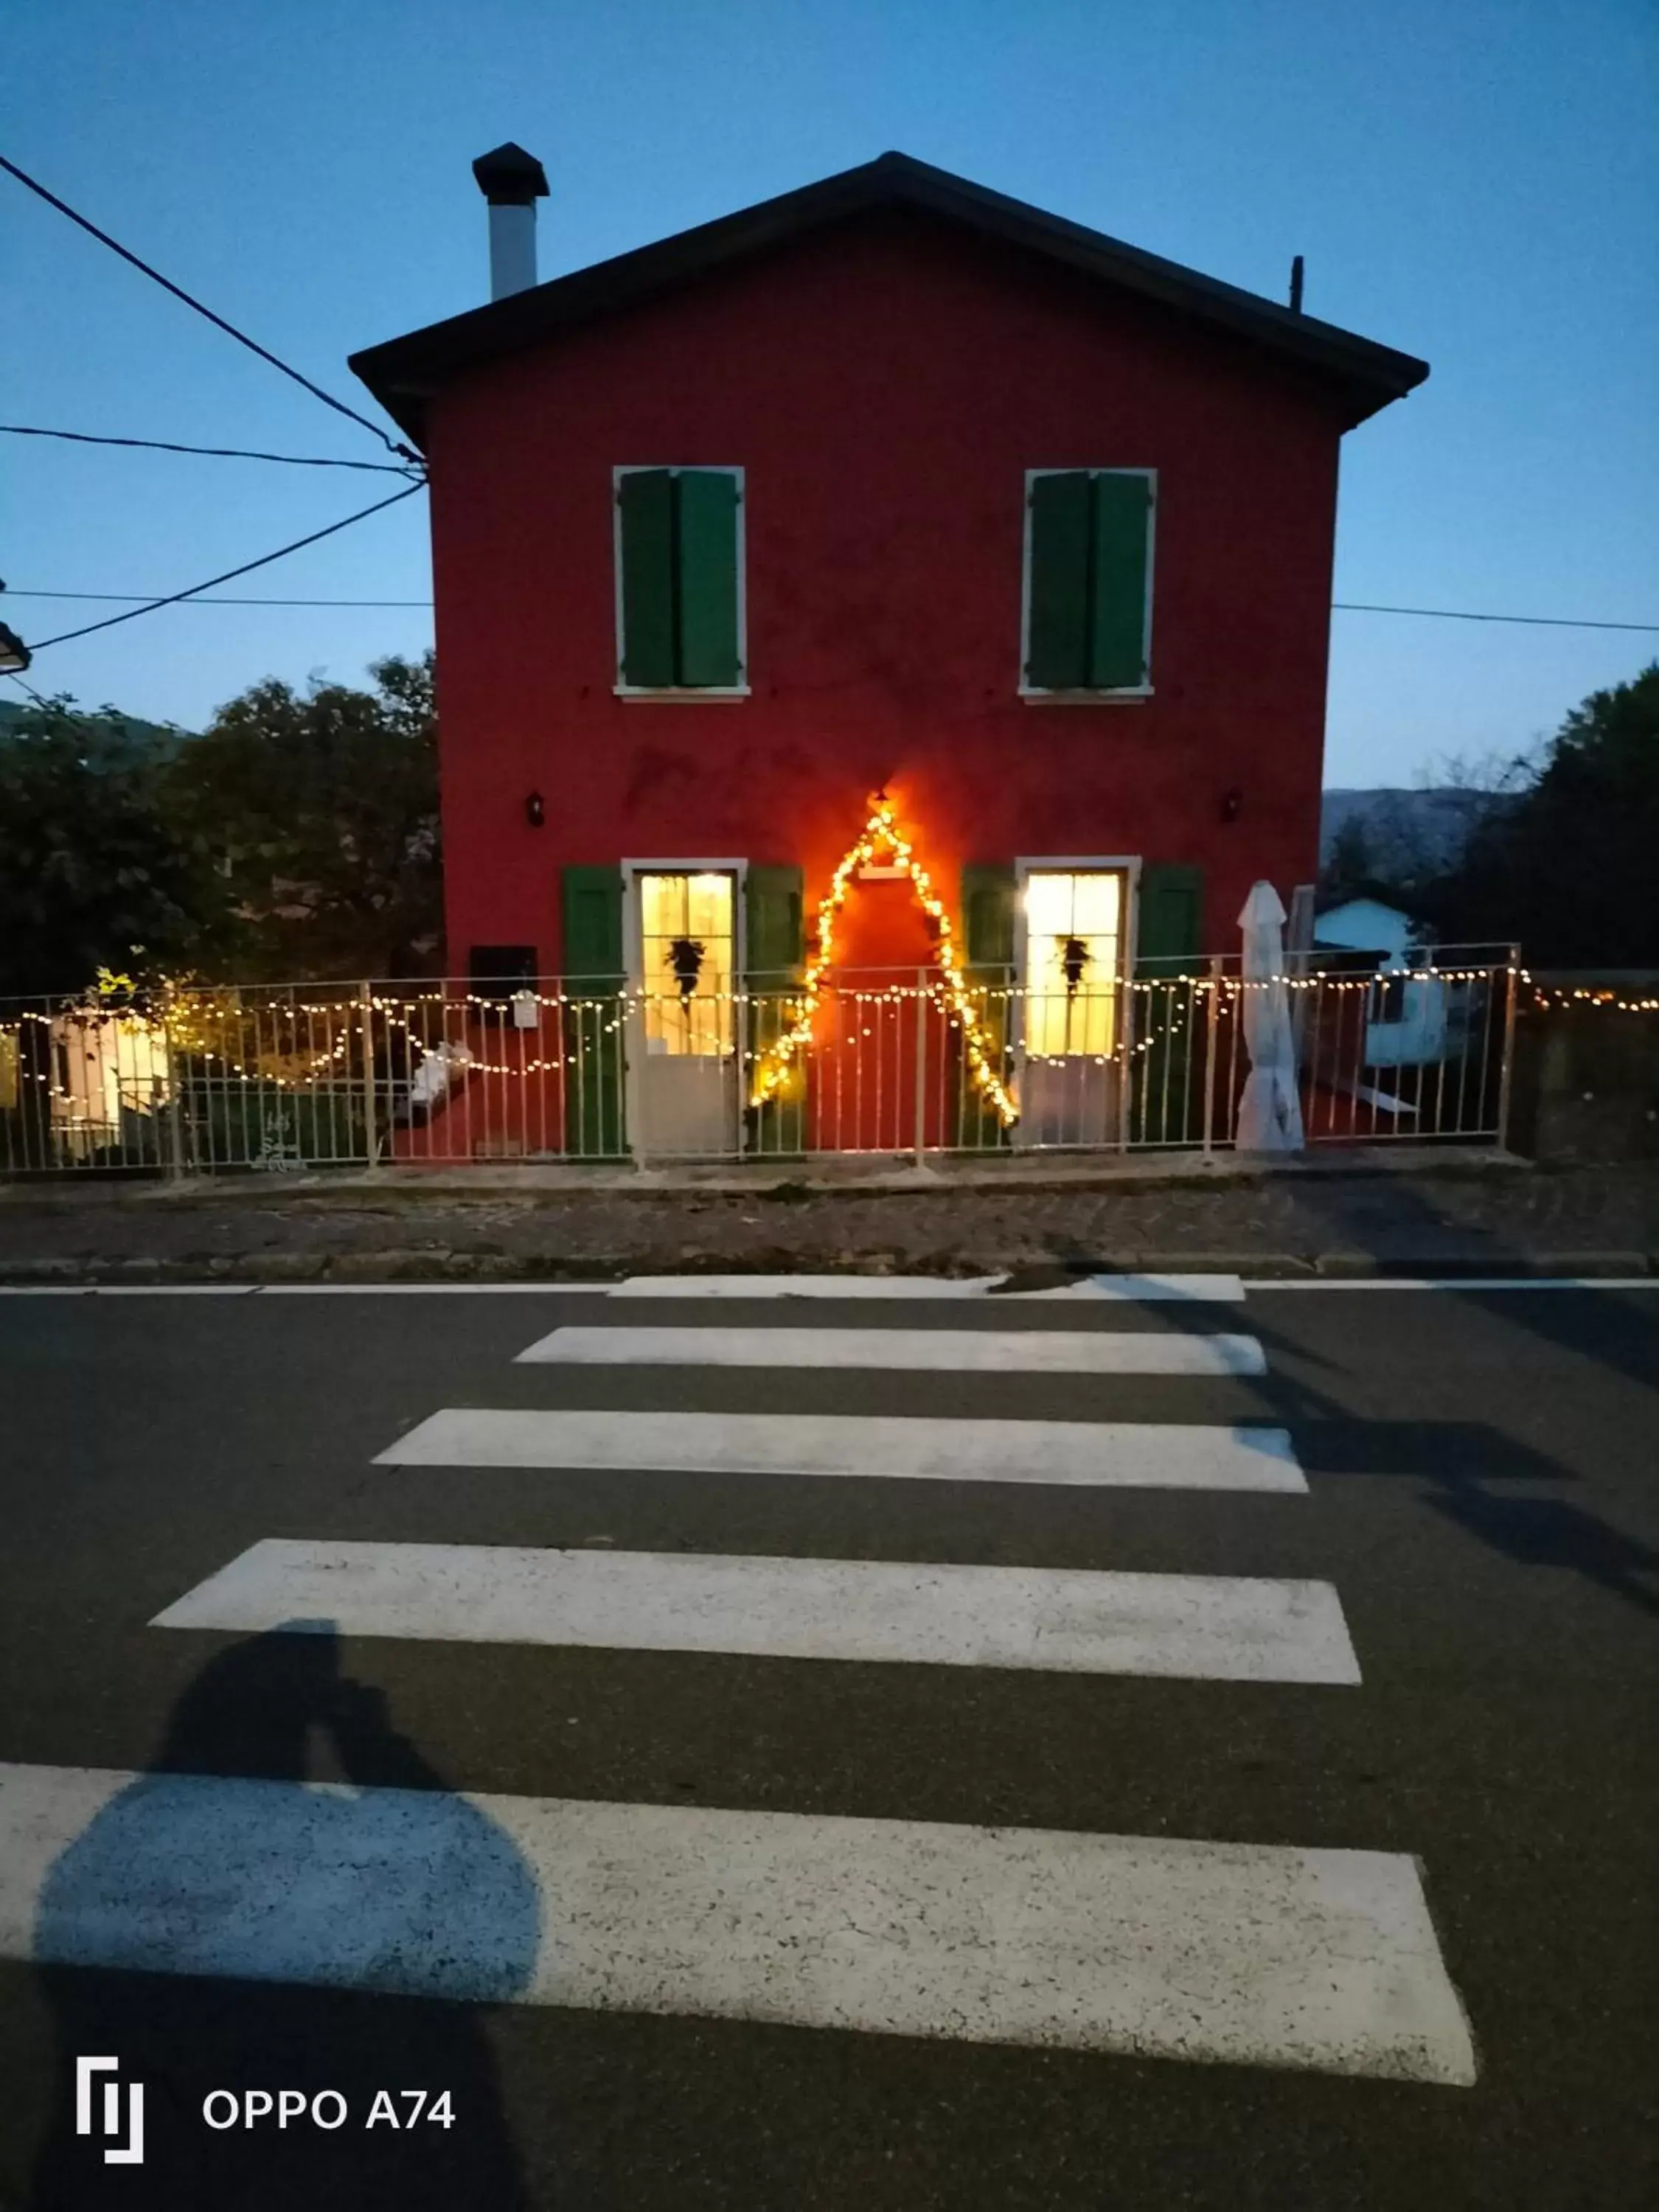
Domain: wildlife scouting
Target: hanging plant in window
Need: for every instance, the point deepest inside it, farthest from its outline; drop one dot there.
(1074, 958)
(685, 958)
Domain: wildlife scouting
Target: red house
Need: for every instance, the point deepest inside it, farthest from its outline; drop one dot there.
(891, 485)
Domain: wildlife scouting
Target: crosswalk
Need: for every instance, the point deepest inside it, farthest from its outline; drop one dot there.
(1261, 1953)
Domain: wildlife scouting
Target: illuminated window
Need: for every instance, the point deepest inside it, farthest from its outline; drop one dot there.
(687, 951)
(1073, 945)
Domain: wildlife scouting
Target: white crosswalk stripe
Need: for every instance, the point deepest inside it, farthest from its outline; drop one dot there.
(1225, 1628)
(1262, 1953)
(1208, 1290)
(1320, 1959)
(960, 1350)
(1140, 1455)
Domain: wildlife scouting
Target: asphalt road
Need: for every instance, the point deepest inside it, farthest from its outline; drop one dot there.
(1483, 1495)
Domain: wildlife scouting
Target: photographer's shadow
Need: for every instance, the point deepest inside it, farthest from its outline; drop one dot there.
(225, 1922)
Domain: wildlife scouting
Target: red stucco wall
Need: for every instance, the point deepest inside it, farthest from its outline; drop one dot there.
(885, 387)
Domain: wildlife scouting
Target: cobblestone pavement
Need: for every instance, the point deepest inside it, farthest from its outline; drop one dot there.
(1607, 1217)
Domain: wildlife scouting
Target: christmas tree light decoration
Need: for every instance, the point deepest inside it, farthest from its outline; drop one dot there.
(881, 834)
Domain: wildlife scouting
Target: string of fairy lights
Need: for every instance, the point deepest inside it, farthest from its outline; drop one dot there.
(202, 1023)
(881, 834)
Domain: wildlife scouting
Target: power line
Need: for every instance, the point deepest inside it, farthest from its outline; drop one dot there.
(1458, 614)
(1347, 606)
(128, 598)
(265, 561)
(403, 453)
(218, 452)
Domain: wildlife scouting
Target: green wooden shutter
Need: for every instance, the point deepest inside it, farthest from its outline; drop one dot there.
(1117, 581)
(1169, 932)
(988, 913)
(646, 499)
(771, 903)
(593, 1036)
(1057, 629)
(988, 933)
(706, 545)
(775, 951)
(1167, 1010)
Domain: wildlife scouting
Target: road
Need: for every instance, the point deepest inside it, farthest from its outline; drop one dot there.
(900, 1751)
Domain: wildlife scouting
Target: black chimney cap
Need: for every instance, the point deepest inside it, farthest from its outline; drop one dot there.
(509, 177)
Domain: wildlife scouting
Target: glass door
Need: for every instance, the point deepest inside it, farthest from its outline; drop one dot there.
(686, 1028)
(1073, 1008)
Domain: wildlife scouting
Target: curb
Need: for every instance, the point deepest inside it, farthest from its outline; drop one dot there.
(441, 1266)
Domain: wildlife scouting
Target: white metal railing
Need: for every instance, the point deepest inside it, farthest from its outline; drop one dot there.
(276, 1078)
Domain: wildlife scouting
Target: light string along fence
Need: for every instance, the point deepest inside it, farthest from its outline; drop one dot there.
(940, 1060)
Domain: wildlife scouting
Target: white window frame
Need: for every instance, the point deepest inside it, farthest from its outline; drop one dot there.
(634, 974)
(1128, 694)
(689, 692)
(1127, 865)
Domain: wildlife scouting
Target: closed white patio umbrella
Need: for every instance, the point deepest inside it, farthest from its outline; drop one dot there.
(1270, 1110)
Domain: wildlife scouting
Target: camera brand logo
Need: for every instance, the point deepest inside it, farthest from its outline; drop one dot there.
(130, 2153)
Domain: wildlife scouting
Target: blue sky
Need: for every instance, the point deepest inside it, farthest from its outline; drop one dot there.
(1476, 184)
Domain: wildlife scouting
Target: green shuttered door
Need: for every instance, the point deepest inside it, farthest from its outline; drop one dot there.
(706, 523)
(1169, 947)
(987, 913)
(987, 928)
(646, 499)
(593, 1028)
(772, 914)
(774, 950)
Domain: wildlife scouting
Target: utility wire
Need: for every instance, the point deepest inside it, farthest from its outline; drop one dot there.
(129, 599)
(1457, 614)
(403, 453)
(1349, 606)
(218, 452)
(265, 561)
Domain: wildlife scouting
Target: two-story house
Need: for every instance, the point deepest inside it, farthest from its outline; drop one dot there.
(891, 485)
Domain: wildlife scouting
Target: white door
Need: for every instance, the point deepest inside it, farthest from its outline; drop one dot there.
(1072, 1011)
(683, 1060)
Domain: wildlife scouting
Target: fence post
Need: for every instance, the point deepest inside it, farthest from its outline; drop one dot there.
(1212, 1022)
(1506, 1071)
(175, 1105)
(371, 1139)
(921, 1065)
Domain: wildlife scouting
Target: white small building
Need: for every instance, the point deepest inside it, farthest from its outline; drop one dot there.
(1407, 1018)
(1367, 925)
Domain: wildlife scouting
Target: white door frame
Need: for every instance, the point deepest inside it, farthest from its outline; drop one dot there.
(633, 968)
(1127, 865)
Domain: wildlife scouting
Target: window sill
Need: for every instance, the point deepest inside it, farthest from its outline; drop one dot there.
(1135, 697)
(671, 693)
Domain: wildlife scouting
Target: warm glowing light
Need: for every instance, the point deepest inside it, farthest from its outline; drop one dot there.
(880, 834)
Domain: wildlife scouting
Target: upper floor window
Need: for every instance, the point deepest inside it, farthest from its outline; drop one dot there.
(679, 582)
(1087, 616)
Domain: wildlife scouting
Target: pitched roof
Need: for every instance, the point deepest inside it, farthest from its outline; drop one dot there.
(405, 372)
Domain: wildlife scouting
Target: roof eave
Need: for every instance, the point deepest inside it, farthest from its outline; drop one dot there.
(405, 372)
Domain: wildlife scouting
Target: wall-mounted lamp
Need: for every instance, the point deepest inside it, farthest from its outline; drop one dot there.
(1230, 803)
(535, 810)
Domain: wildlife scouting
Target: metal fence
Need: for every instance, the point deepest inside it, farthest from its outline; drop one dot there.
(279, 1078)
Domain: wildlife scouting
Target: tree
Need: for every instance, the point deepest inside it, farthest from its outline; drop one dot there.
(1567, 867)
(95, 870)
(322, 809)
(1348, 871)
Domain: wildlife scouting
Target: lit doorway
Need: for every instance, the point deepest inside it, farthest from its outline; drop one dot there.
(683, 960)
(1071, 944)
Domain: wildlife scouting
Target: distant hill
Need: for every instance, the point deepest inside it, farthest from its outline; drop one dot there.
(1409, 834)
